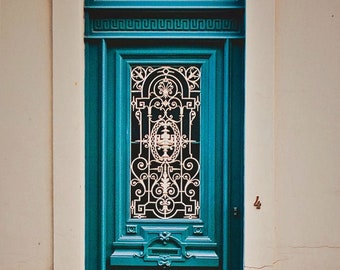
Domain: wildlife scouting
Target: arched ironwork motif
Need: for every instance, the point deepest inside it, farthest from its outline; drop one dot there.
(165, 142)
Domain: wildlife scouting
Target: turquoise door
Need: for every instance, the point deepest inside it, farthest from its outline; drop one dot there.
(164, 135)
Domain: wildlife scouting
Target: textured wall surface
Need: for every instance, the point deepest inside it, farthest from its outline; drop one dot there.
(307, 128)
(26, 135)
(68, 134)
(260, 247)
(293, 128)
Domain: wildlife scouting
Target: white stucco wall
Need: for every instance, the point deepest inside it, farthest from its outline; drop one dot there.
(307, 130)
(292, 135)
(25, 135)
(260, 234)
(68, 140)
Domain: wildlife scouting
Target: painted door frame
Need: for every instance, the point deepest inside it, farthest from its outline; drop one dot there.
(68, 134)
(222, 25)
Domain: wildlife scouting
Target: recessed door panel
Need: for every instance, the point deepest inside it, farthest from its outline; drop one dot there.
(168, 97)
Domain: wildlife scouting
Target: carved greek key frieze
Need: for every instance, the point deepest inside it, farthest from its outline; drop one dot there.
(165, 24)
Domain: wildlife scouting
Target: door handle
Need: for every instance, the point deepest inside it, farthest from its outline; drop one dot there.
(235, 211)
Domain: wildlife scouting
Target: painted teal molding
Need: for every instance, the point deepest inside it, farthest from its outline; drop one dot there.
(92, 152)
(107, 147)
(110, 233)
(168, 4)
(168, 24)
(236, 151)
(164, 248)
(207, 24)
(126, 245)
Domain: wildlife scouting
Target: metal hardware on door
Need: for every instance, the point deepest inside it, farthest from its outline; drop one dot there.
(235, 211)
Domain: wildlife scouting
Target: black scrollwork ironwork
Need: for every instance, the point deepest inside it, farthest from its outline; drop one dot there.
(165, 142)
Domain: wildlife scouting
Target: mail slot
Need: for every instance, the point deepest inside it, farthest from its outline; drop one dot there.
(164, 251)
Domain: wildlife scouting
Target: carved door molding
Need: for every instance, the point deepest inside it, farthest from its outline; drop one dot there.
(164, 135)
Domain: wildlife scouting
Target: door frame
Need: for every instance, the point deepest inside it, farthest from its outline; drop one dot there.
(68, 135)
(101, 26)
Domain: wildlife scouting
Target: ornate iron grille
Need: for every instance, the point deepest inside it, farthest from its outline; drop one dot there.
(165, 142)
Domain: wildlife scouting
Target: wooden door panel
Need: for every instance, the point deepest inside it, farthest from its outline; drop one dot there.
(164, 140)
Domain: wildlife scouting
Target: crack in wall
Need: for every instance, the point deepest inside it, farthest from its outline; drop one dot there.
(315, 247)
(295, 247)
(263, 266)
